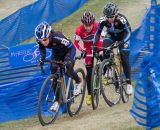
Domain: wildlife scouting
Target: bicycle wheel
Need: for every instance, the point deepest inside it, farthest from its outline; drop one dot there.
(95, 87)
(110, 83)
(74, 103)
(46, 99)
(125, 96)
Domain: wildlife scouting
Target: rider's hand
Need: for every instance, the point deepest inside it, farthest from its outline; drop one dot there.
(126, 45)
(83, 54)
(121, 42)
(41, 61)
(118, 43)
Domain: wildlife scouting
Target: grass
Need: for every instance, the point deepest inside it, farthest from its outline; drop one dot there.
(69, 24)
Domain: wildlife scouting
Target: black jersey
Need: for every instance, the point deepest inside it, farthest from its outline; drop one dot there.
(59, 44)
(119, 30)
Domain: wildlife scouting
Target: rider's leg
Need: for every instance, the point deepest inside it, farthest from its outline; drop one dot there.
(89, 74)
(89, 66)
(106, 43)
(55, 104)
(69, 59)
(125, 52)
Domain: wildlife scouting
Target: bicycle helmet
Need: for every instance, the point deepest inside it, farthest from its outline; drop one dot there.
(42, 30)
(87, 18)
(110, 10)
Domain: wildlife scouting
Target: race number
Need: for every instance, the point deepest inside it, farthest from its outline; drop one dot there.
(123, 20)
(65, 42)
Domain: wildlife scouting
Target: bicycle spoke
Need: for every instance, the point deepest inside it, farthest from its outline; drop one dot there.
(46, 99)
(109, 83)
(74, 103)
(95, 87)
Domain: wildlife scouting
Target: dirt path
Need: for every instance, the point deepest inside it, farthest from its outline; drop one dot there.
(104, 118)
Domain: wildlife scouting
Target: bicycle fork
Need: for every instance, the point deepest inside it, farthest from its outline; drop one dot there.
(65, 88)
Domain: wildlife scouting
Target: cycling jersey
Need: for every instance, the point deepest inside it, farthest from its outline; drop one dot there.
(119, 30)
(59, 44)
(62, 49)
(87, 39)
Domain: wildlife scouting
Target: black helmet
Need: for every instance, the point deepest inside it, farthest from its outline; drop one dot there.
(110, 9)
(87, 18)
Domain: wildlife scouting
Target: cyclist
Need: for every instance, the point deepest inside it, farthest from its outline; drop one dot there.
(117, 29)
(85, 32)
(62, 50)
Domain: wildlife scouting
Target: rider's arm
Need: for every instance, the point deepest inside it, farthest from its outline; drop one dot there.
(98, 32)
(60, 38)
(76, 43)
(77, 37)
(126, 28)
(76, 40)
(42, 50)
(128, 31)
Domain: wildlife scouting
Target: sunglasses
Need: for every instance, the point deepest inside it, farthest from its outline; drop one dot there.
(88, 25)
(44, 39)
(111, 17)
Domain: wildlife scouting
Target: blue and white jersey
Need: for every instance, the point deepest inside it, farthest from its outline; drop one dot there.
(59, 44)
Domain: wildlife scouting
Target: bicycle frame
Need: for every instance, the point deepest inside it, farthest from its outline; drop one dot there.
(64, 86)
(61, 78)
(118, 60)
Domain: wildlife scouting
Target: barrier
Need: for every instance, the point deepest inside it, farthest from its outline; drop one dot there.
(20, 77)
(20, 25)
(146, 103)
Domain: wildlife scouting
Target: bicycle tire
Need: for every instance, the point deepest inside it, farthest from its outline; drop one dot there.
(125, 96)
(95, 87)
(113, 97)
(47, 92)
(73, 107)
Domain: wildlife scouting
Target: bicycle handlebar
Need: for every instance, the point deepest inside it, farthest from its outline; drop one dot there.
(54, 61)
(50, 61)
(111, 47)
(61, 63)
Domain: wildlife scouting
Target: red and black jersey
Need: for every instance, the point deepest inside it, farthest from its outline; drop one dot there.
(86, 37)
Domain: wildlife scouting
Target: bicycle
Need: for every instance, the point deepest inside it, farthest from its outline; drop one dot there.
(111, 80)
(50, 87)
(95, 86)
(125, 96)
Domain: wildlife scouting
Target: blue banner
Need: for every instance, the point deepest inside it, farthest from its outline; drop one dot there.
(145, 38)
(20, 26)
(27, 54)
(146, 103)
